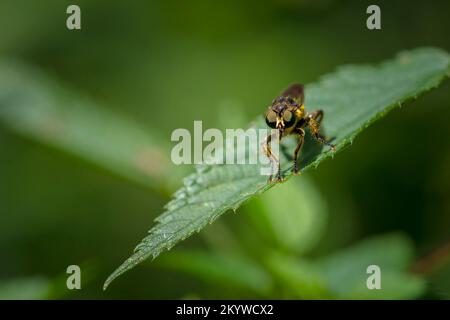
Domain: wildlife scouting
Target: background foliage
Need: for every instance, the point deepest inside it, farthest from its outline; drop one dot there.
(142, 69)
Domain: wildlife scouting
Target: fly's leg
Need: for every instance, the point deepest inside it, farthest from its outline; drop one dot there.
(301, 139)
(273, 159)
(314, 119)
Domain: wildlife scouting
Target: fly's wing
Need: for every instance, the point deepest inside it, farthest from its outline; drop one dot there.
(295, 91)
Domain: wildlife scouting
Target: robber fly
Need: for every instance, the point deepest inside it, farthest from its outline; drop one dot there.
(287, 114)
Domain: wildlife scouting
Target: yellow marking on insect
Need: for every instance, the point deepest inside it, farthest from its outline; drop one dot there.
(299, 113)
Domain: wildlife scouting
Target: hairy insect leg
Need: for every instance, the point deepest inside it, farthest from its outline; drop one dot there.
(273, 159)
(301, 139)
(314, 119)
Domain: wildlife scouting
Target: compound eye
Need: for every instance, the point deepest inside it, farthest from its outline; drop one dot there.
(271, 119)
(289, 119)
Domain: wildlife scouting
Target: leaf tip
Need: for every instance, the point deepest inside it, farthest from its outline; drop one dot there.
(108, 281)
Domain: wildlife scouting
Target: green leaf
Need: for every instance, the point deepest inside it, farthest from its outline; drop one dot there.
(300, 277)
(234, 271)
(394, 286)
(343, 274)
(25, 289)
(346, 270)
(39, 107)
(293, 215)
(352, 98)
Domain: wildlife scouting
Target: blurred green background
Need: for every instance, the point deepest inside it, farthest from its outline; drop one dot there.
(145, 68)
